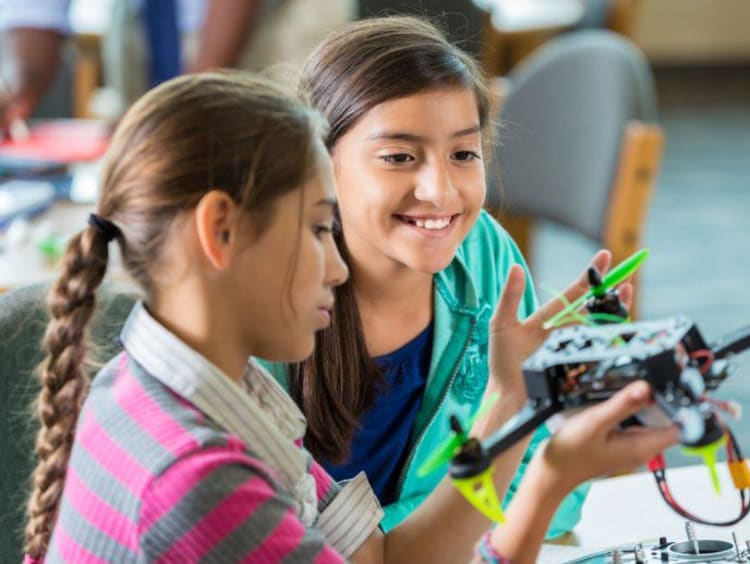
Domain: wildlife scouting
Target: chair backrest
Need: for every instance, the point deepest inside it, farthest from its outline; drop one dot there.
(23, 320)
(562, 124)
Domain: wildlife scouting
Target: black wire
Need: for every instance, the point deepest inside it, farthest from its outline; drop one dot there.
(666, 494)
(735, 444)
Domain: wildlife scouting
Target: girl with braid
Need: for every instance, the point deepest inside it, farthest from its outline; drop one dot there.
(218, 191)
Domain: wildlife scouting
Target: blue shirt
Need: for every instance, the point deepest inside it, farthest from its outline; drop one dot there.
(382, 444)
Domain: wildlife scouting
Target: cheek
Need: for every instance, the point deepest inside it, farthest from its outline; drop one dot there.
(308, 278)
(476, 186)
(362, 181)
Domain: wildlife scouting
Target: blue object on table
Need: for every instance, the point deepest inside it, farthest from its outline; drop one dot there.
(160, 22)
(16, 167)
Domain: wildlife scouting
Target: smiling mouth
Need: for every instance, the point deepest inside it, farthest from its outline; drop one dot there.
(429, 223)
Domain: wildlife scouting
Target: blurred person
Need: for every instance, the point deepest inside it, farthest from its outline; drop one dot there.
(149, 41)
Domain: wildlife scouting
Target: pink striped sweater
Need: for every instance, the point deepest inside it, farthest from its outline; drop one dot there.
(154, 478)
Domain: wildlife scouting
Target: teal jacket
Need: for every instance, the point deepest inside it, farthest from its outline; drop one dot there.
(465, 296)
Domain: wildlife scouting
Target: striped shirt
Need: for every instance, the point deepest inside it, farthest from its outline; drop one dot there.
(174, 462)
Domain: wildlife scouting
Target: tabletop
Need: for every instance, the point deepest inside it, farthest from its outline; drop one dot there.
(629, 509)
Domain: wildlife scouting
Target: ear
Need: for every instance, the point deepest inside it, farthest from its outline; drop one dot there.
(215, 221)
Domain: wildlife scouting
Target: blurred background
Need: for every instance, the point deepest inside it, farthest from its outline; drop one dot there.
(625, 123)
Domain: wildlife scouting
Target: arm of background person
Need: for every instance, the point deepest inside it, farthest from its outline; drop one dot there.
(227, 27)
(33, 34)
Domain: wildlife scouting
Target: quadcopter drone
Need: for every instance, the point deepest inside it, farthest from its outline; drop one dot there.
(588, 363)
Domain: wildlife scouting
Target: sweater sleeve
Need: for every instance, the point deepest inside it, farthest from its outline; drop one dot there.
(219, 505)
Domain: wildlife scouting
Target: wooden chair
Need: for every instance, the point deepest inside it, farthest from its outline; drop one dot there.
(578, 143)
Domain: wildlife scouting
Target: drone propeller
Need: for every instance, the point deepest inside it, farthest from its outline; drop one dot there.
(445, 452)
(480, 491)
(599, 285)
(708, 453)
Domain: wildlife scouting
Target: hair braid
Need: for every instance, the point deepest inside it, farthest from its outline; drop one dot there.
(64, 381)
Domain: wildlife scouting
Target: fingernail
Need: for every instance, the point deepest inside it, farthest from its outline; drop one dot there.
(640, 390)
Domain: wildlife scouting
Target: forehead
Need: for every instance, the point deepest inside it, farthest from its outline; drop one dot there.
(432, 113)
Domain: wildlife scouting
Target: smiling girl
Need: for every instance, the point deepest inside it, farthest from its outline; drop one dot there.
(410, 124)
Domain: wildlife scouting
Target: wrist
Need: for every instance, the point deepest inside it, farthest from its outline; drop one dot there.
(532, 508)
(508, 403)
(549, 479)
(486, 552)
(513, 395)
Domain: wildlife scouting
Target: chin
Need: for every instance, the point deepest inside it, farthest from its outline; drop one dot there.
(430, 264)
(293, 352)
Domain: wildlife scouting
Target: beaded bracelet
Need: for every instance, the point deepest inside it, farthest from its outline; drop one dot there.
(487, 553)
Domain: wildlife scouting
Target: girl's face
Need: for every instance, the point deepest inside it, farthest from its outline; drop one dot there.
(295, 265)
(410, 180)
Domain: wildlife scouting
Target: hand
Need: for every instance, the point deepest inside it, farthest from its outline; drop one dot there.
(587, 445)
(512, 341)
(14, 110)
(590, 445)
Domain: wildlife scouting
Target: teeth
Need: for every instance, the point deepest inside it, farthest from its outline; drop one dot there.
(433, 224)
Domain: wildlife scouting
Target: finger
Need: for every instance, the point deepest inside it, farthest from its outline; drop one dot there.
(622, 405)
(644, 446)
(506, 312)
(635, 430)
(626, 294)
(600, 261)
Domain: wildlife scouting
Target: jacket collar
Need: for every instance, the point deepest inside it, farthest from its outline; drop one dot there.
(259, 412)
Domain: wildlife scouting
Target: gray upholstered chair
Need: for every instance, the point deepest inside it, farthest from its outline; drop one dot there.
(578, 142)
(23, 319)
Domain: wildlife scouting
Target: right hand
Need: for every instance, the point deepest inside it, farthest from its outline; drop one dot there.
(590, 444)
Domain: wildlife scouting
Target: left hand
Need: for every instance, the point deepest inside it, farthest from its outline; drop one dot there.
(512, 341)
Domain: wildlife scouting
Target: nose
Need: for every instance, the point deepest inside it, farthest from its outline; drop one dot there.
(336, 271)
(434, 184)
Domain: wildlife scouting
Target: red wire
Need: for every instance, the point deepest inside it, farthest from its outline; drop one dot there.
(658, 468)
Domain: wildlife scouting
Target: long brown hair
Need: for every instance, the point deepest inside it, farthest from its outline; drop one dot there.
(351, 72)
(196, 133)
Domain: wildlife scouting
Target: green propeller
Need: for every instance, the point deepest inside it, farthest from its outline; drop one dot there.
(618, 274)
(445, 452)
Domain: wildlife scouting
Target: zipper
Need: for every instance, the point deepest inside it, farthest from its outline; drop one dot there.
(407, 464)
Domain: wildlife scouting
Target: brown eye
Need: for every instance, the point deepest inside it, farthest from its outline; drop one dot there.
(398, 158)
(465, 155)
(319, 230)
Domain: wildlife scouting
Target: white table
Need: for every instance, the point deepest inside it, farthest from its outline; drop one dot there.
(25, 264)
(629, 509)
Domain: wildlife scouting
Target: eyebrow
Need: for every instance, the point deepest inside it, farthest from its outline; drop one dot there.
(403, 136)
(327, 202)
